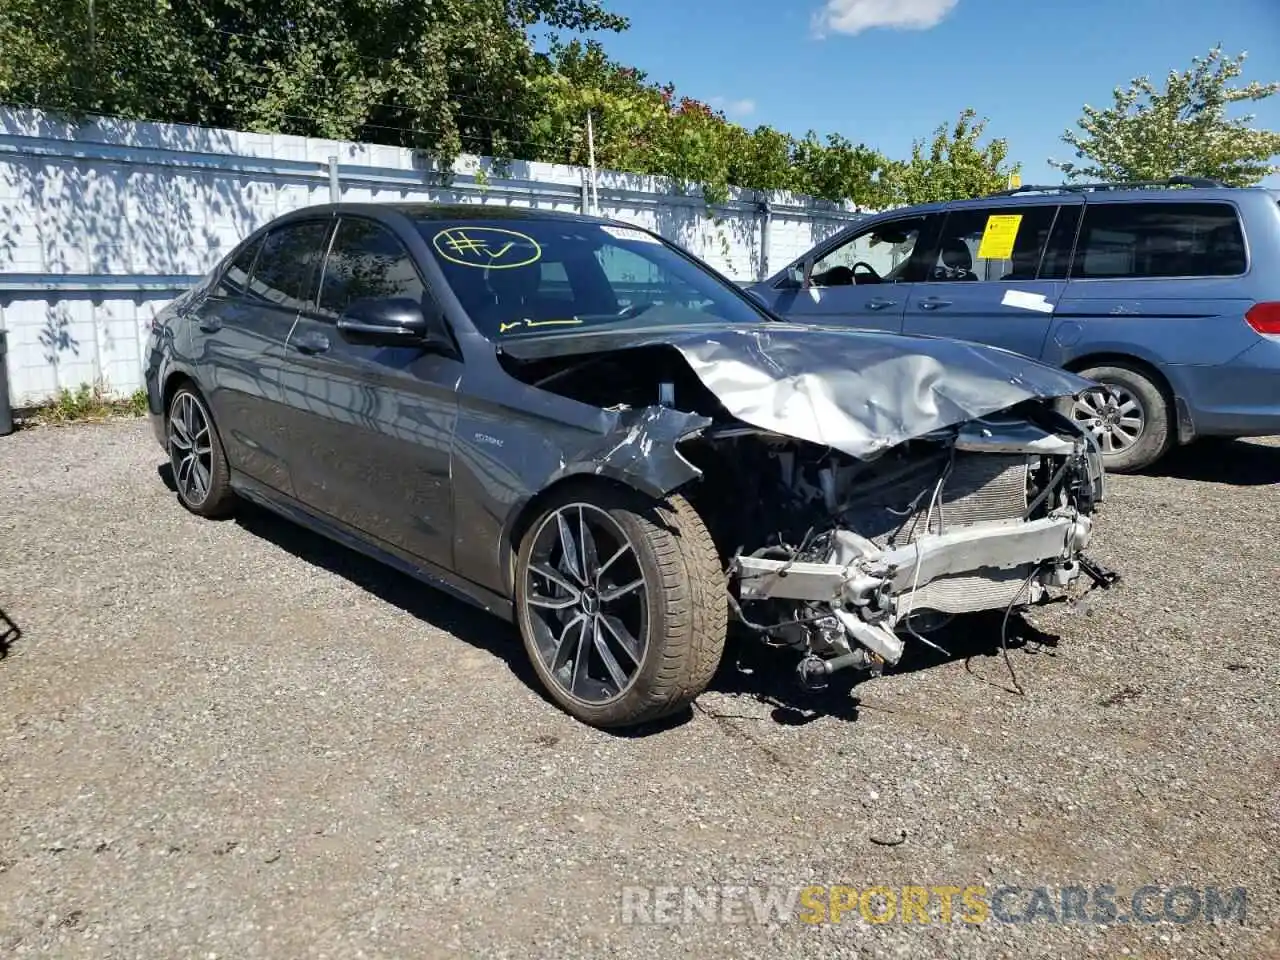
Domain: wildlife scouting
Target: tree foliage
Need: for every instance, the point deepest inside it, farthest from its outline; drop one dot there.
(1182, 130)
(953, 164)
(447, 76)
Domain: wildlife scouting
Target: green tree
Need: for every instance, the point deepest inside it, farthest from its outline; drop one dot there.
(954, 165)
(1182, 130)
(448, 76)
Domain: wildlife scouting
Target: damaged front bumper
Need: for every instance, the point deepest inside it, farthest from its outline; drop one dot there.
(870, 591)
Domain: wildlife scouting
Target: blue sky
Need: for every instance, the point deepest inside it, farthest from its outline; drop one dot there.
(885, 72)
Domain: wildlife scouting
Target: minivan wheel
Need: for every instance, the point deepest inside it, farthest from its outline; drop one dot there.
(621, 604)
(1128, 413)
(199, 463)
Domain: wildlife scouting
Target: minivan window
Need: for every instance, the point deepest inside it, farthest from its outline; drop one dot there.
(366, 261)
(1138, 240)
(992, 243)
(283, 270)
(884, 253)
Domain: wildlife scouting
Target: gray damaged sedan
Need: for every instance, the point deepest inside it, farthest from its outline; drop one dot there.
(582, 428)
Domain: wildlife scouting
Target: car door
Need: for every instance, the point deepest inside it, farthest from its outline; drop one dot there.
(238, 341)
(373, 426)
(862, 279)
(983, 280)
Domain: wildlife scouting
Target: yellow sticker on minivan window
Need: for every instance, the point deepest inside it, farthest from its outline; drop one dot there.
(999, 237)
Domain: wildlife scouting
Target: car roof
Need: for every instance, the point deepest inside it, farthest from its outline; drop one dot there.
(1091, 193)
(418, 210)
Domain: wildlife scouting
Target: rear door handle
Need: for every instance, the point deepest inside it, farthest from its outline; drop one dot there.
(312, 343)
(209, 324)
(879, 303)
(933, 303)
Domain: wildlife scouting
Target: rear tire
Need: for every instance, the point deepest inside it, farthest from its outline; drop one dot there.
(1133, 433)
(626, 625)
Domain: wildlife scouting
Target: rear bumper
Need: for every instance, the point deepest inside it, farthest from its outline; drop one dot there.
(1236, 399)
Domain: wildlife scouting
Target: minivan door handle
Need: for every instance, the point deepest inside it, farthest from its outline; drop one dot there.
(933, 303)
(311, 342)
(879, 303)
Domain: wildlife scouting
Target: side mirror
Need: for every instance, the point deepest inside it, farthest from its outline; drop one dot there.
(390, 322)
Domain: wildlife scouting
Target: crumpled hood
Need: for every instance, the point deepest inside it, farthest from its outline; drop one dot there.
(857, 391)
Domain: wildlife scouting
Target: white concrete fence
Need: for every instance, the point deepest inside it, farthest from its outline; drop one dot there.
(102, 223)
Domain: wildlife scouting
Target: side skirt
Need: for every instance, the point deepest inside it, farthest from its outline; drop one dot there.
(427, 573)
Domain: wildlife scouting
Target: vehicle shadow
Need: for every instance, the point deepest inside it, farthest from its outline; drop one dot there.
(1241, 463)
(10, 633)
(749, 669)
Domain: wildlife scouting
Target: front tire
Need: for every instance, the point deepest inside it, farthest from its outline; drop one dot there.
(199, 463)
(1132, 424)
(621, 604)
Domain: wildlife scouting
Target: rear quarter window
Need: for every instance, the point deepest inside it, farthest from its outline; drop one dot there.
(1152, 240)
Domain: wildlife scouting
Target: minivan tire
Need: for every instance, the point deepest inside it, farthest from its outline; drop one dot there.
(1155, 436)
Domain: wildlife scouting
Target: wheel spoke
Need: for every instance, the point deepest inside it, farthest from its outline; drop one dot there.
(184, 473)
(200, 476)
(552, 603)
(630, 646)
(178, 441)
(588, 557)
(553, 576)
(1131, 423)
(621, 552)
(569, 549)
(617, 593)
(1128, 404)
(611, 665)
(562, 649)
(580, 658)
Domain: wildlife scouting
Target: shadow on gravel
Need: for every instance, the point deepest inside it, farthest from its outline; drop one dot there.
(10, 633)
(469, 624)
(749, 668)
(1214, 460)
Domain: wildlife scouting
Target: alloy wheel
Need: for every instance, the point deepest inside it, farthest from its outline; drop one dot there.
(587, 604)
(190, 448)
(1113, 414)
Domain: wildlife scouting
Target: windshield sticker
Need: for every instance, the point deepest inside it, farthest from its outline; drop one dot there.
(505, 327)
(630, 233)
(490, 248)
(999, 237)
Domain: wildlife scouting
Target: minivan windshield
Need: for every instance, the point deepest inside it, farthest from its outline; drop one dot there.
(520, 277)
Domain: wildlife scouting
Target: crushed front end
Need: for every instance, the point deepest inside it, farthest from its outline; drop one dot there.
(846, 559)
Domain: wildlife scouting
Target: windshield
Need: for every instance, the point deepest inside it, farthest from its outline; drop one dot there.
(528, 276)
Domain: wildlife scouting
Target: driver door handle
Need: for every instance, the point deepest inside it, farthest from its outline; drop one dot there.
(311, 342)
(879, 303)
(933, 303)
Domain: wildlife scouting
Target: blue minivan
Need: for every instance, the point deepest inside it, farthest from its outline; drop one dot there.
(1167, 294)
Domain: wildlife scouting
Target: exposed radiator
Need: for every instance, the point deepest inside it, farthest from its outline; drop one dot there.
(983, 489)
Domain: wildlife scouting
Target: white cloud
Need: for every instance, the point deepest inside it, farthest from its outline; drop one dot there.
(853, 16)
(734, 108)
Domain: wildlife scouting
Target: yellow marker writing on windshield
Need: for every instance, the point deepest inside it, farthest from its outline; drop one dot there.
(504, 327)
(489, 248)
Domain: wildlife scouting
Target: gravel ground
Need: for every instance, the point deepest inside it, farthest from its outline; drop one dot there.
(236, 740)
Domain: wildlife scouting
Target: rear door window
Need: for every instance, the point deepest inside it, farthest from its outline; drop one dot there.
(283, 272)
(235, 280)
(991, 243)
(1152, 240)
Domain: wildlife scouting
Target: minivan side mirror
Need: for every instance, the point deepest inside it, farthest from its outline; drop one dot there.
(386, 322)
